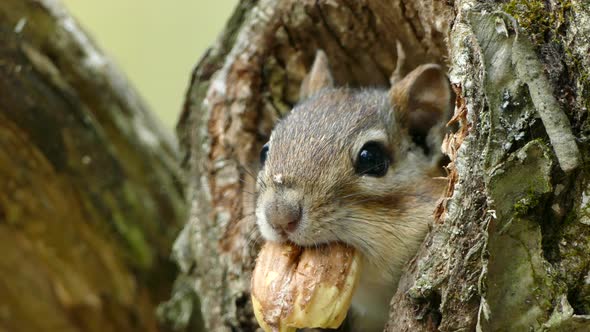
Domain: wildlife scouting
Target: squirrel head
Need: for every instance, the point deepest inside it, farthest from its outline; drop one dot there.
(356, 165)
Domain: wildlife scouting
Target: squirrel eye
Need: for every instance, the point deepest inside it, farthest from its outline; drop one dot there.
(372, 160)
(263, 153)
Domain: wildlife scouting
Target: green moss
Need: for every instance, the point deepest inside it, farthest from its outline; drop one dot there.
(142, 255)
(535, 19)
(523, 181)
(183, 311)
(583, 77)
(576, 63)
(527, 203)
(139, 252)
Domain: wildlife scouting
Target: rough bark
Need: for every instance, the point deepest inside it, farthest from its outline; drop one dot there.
(509, 249)
(90, 197)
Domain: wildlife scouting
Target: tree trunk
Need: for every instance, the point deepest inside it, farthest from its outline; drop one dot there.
(90, 197)
(509, 249)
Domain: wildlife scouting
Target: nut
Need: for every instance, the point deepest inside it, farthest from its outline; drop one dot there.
(295, 287)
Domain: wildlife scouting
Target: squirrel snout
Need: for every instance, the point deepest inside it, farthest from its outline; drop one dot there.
(283, 215)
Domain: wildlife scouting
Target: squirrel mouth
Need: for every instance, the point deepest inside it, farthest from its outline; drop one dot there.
(315, 245)
(303, 238)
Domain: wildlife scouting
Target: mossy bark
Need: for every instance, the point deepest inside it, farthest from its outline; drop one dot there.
(511, 244)
(90, 193)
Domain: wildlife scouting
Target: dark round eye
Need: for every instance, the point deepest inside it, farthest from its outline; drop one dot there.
(372, 160)
(263, 153)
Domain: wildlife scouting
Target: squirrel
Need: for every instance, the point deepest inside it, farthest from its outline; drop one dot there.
(358, 166)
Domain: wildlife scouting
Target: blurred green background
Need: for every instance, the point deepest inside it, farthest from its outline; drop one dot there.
(155, 42)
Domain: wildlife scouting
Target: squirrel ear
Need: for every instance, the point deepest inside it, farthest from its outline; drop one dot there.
(422, 102)
(319, 76)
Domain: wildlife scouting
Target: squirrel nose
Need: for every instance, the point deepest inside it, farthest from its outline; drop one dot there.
(283, 215)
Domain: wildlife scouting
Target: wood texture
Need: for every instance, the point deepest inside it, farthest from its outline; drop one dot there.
(242, 86)
(90, 193)
(510, 248)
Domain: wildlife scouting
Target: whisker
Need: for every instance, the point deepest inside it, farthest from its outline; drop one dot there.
(367, 247)
(253, 236)
(248, 171)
